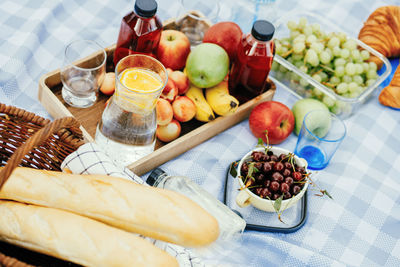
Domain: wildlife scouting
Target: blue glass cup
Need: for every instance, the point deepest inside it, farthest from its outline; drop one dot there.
(320, 136)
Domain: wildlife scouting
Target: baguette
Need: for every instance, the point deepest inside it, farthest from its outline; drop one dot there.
(153, 212)
(76, 238)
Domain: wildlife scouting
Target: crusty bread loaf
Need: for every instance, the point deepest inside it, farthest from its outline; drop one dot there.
(153, 212)
(76, 238)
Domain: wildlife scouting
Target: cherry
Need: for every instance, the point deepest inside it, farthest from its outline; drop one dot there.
(288, 165)
(297, 176)
(274, 186)
(279, 166)
(274, 158)
(301, 169)
(260, 177)
(266, 157)
(276, 176)
(275, 196)
(287, 195)
(284, 187)
(296, 189)
(265, 192)
(272, 163)
(289, 180)
(267, 183)
(283, 157)
(245, 167)
(286, 172)
(258, 165)
(258, 191)
(257, 156)
(266, 167)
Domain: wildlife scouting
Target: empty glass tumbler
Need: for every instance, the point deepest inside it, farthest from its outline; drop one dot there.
(82, 78)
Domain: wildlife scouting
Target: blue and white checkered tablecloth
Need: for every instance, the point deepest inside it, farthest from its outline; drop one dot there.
(360, 227)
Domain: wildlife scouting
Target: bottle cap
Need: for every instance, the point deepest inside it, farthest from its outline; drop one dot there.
(263, 30)
(154, 175)
(145, 8)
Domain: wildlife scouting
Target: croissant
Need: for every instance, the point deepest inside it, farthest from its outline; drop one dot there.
(390, 95)
(381, 31)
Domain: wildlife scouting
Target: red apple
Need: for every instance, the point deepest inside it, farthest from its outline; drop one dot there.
(184, 109)
(225, 34)
(173, 49)
(271, 118)
(170, 91)
(181, 81)
(168, 132)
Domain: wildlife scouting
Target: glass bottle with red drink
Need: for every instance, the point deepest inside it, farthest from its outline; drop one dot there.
(249, 72)
(140, 31)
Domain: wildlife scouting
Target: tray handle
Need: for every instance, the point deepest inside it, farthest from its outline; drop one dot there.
(35, 140)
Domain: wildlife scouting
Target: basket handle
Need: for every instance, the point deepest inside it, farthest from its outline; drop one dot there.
(36, 139)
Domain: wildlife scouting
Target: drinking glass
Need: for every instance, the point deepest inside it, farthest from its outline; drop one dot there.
(126, 131)
(195, 16)
(81, 78)
(320, 136)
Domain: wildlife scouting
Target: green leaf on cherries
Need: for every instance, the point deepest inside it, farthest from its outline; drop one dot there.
(252, 169)
(278, 203)
(232, 169)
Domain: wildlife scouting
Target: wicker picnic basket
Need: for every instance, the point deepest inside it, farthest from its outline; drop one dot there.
(31, 141)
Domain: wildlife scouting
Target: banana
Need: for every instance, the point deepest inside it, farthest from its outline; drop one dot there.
(203, 110)
(220, 100)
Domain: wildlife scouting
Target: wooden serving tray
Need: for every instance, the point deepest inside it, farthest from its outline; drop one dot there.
(193, 132)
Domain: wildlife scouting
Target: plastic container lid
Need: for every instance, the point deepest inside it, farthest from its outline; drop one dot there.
(263, 30)
(154, 175)
(145, 8)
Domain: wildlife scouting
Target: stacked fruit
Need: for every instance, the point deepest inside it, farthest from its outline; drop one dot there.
(197, 85)
(197, 80)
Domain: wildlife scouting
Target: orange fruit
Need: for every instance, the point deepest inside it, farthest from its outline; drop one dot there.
(141, 80)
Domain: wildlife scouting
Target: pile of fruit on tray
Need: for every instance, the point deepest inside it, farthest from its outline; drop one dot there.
(197, 86)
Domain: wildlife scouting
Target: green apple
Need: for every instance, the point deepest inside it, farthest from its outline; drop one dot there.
(319, 123)
(207, 65)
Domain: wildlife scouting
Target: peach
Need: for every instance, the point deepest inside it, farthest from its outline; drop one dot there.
(225, 34)
(108, 85)
(164, 112)
(184, 108)
(170, 91)
(181, 81)
(168, 132)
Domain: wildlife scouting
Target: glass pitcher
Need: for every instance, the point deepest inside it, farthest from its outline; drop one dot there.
(126, 131)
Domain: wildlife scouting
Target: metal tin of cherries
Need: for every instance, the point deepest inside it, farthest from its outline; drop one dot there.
(269, 176)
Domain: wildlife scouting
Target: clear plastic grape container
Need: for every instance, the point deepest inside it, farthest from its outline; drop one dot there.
(336, 71)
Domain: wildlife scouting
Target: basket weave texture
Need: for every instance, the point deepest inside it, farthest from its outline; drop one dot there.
(31, 141)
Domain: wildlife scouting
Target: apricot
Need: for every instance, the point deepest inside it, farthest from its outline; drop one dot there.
(168, 132)
(181, 81)
(108, 85)
(164, 112)
(170, 91)
(184, 109)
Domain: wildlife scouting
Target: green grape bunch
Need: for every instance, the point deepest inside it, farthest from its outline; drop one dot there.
(331, 59)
